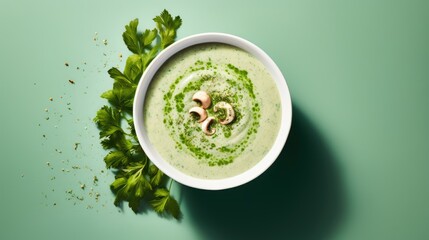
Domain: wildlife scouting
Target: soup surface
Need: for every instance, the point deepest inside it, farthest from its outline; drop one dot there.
(242, 118)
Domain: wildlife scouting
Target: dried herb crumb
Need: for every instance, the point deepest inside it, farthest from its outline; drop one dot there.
(71, 81)
(95, 180)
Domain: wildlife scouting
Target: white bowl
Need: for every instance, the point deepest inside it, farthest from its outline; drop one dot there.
(213, 184)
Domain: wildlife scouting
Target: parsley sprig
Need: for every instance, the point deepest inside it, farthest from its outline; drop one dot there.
(137, 179)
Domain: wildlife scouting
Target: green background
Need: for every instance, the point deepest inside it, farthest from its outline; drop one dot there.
(355, 165)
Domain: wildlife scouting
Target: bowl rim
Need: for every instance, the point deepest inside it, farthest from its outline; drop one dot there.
(224, 183)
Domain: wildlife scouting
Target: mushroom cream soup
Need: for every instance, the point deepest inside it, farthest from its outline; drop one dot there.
(212, 111)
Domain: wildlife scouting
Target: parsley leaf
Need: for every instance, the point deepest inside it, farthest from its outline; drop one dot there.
(167, 27)
(155, 175)
(116, 159)
(134, 68)
(164, 202)
(117, 141)
(120, 97)
(148, 36)
(131, 185)
(149, 56)
(119, 77)
(131, 37)
(108, 121)
(132, 128)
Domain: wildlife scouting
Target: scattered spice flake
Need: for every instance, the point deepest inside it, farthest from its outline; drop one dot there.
(51, 99)
(95, 179)
(82, 186)
(77, 68)
(67, 64)
(75, 167)
(76, 145)
(46, 110)
(95, 36)
(48, 164)
(97, 196)
(71, 81)
(55, 204)
(105, 42)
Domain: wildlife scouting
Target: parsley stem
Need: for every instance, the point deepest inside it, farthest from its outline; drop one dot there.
(125, 116)
(171, 183)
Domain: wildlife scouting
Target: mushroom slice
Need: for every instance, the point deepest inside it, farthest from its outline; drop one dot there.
(230, 114)
(203, 98)
(201, 112)
(205, 126)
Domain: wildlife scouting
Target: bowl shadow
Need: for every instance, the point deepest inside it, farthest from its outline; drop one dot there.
(300, 196)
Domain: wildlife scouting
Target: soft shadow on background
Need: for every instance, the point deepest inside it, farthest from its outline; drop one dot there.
(300, 196)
